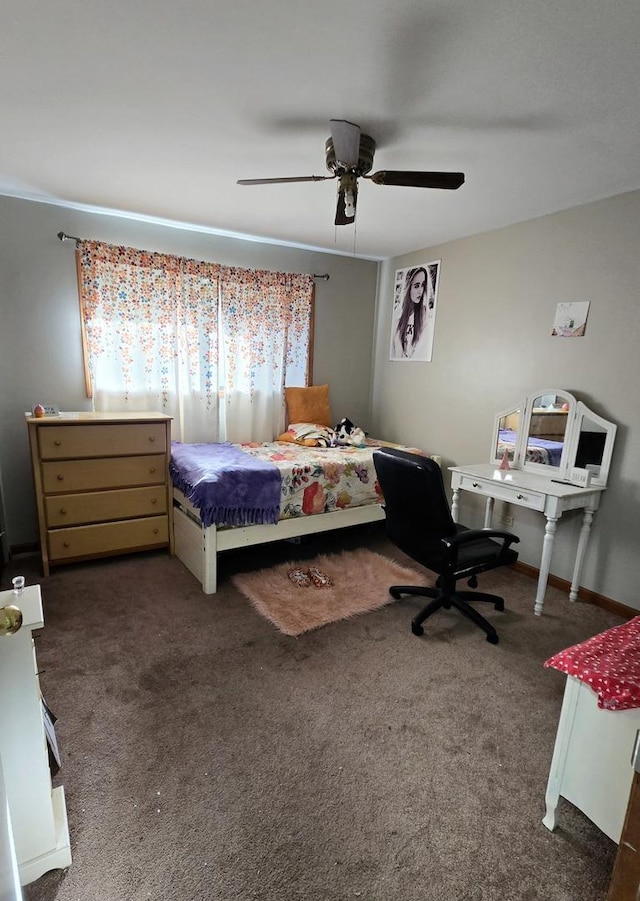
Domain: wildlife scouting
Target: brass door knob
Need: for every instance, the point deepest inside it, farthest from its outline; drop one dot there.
(10, 619)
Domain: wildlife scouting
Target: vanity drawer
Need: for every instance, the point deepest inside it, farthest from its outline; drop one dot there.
(84, 475)
(104, 506)
(504, 492)
(111, 537)
(64, 442)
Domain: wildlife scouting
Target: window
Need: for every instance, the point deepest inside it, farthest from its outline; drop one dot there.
(212, 346)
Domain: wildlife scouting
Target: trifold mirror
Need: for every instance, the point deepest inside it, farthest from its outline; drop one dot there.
(552, 433)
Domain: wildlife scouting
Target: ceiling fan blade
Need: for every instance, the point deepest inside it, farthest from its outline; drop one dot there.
(346, 142)
(447, 180)
(280, 181)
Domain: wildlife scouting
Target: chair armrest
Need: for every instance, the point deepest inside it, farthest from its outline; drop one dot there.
(468, 536)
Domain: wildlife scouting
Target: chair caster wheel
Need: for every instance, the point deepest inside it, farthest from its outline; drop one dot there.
(492, 639)
(473, 582)
(417, 630)
(499, 605)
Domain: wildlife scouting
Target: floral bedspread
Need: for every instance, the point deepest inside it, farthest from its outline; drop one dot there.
(322, 479)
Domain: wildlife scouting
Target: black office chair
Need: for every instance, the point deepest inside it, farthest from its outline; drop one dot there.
(419, 522)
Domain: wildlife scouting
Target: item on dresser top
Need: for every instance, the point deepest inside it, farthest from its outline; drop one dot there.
(609, 663)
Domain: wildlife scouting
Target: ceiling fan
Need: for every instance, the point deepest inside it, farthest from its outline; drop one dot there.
(349, 155)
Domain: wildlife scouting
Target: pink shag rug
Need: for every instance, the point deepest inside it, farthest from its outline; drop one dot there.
(361, 581)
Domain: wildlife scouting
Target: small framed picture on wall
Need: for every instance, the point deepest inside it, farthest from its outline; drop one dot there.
(413, 315)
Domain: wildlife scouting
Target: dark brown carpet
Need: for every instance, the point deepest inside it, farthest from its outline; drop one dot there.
(207, 756)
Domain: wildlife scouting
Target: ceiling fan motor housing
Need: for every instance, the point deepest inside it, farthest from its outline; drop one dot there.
(365, 157)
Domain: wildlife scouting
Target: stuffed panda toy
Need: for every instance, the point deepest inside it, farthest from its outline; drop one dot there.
(349, 434)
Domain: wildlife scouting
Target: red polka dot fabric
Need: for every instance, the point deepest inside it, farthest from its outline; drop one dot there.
(609, 663)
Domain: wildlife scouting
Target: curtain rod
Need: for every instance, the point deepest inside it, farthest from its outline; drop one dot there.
(64, 237)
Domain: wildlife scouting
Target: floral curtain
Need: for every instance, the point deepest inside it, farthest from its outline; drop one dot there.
(265, 338)
(213, 347)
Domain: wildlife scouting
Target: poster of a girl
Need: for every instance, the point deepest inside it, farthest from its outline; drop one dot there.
(412, 336)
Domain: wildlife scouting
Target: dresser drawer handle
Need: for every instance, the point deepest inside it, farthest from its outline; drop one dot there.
(66, 544)
(475, 484)
(520, 497)
(63, 512)
(57, 442)
(152, 438)
(154, 500)
(152, 469)
(155, 531)
(60, 477)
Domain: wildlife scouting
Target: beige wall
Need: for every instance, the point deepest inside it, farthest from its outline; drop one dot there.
(40, 352)
(493, 344)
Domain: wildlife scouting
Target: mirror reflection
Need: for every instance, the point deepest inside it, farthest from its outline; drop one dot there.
(547, 427)
(551, 433)
(590, 449)
(508, 434)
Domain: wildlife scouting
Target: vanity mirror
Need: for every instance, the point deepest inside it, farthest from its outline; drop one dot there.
(552, 433)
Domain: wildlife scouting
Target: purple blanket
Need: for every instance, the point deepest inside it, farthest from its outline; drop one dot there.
(226, 485)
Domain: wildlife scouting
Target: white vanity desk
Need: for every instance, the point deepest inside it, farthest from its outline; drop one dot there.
(559, 454)
(536, 492)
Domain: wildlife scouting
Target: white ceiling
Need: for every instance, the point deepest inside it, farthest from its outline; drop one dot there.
(157, 108)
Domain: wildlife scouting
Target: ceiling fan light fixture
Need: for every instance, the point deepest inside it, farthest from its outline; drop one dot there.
(365, 157)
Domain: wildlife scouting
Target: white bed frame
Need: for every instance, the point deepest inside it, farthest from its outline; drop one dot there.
(198, 546)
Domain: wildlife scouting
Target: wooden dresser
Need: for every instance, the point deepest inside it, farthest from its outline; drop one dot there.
(102, 484)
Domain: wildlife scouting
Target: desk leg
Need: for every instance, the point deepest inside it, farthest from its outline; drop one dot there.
(488, 512)
(455, 500)
(545, 563)
(587, 519)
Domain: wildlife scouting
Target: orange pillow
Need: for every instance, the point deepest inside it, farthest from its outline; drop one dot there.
(309, 404)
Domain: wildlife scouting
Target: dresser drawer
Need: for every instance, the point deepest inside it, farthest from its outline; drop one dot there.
(111, 537)
(103, 506)
(83, 475)
(504, 492)
(66, 442)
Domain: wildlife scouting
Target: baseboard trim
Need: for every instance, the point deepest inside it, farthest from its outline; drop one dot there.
(19, 550)
(584, 594)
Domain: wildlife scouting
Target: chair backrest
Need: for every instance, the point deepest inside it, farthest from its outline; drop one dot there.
(415, 502)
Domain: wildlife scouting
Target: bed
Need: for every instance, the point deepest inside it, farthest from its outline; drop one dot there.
(266, 492)
(539, 450)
